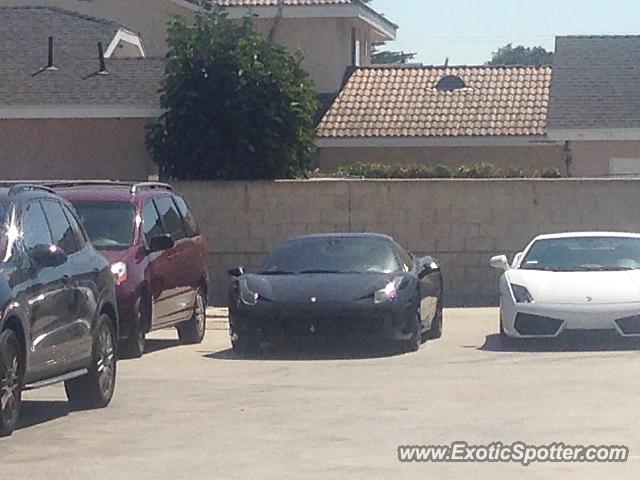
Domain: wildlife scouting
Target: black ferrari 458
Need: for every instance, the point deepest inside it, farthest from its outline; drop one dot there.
(340, 285)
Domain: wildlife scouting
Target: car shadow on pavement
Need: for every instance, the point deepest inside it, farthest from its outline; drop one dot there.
(36, 412)
(566, 342)
(315, 351)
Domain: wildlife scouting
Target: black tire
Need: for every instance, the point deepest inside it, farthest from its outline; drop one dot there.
(11, 369)
(95, 390)
(415, 342)
(133, 346)
(192, 331)
(436, 328)
(244, 343)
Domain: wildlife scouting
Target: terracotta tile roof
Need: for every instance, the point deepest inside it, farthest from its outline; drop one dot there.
(394, 101)
(271, 3)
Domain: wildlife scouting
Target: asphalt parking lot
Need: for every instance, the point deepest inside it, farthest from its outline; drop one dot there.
(318, 412)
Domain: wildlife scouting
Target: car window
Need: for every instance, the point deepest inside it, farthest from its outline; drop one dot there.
(151, 223)
(35, 227)
(110, 225)
(81, 239)
(189, 220)
(405, 257)
(61, 231)
(171, 219)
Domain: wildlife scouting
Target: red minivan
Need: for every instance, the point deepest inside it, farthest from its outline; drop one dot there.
(157, 254)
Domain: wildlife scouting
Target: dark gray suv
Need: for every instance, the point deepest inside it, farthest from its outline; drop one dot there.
(58, 310)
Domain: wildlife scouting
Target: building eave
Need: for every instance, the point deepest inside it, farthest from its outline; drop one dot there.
(594, 134)
(417, 142)
(45, 112)
(385, 28)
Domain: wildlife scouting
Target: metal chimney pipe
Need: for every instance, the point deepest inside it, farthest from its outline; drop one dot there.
(103, 66)
(50, 65)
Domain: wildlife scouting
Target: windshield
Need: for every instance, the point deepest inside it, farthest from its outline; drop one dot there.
(332, 255)
(584, 254)
(110, 225)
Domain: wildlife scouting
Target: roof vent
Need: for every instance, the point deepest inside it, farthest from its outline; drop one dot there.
(450, 83)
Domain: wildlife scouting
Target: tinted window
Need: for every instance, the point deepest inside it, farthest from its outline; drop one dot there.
(35, 228)
(189, 220)
(333, 254)
(61, 231)
(151, 223)
(81, 240)
(110, 225)
(170, 218)
(584, 254)
(405, 257)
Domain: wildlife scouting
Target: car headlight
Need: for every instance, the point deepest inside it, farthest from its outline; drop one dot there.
(389, 292)
(248, 296)
(521, 294)
(119, 271)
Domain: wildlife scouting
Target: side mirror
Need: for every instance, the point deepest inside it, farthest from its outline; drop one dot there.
(236, 271)
(427, 267)
(160, 243)
(500, 262)
(47, 256)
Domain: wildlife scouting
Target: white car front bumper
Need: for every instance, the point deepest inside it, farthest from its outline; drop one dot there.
(530, 320)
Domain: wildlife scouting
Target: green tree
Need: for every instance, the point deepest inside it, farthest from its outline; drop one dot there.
(237, 107)
(521, 55)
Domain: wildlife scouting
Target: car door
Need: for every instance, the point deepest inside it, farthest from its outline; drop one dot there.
(177, 289)
(74, 330)
(47, 296)
(194, 252)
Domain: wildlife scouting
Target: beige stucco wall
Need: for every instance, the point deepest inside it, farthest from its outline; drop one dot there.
(591, 159)
(527, 157)
(80, 149)
(462, 222)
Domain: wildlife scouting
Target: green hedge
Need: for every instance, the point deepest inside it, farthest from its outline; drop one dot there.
(479, 170)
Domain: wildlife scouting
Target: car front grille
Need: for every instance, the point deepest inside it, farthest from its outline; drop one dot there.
(530, 325)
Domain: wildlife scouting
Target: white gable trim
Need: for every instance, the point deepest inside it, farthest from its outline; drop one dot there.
(595, 134)
(124, 35)
(415, 142)
(386, 28)
(77, 111)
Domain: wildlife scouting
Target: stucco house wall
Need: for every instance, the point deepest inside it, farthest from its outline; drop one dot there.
(526, 157)
(74, 149)
(592, 159)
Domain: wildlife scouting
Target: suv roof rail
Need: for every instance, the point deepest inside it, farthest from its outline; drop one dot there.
(150, 186)
(22, 187)
(80, 183)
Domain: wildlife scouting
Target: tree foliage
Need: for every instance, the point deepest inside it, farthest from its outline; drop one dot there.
(237, 106)
(521, 55)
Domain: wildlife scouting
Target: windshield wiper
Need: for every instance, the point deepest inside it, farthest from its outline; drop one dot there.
(277, 272)
(311, 272)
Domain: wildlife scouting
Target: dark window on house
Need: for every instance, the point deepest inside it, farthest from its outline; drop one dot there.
(450, 83)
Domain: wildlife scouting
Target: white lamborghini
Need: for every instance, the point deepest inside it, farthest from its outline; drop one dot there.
(571, 281)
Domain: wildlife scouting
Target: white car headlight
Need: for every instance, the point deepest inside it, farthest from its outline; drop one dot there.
(248, 296)
(521, 294)
(119, 271)
(389, 292)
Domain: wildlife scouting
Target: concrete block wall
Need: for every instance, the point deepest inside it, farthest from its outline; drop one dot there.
(461, 222)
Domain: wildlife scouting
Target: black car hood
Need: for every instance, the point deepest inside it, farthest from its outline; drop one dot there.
(324, 287)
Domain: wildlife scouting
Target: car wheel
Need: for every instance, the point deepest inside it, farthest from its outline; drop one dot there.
(414, 343)
(133, 346)
(10, 382)
(95, 390)
(193, 330)
(436, 328)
